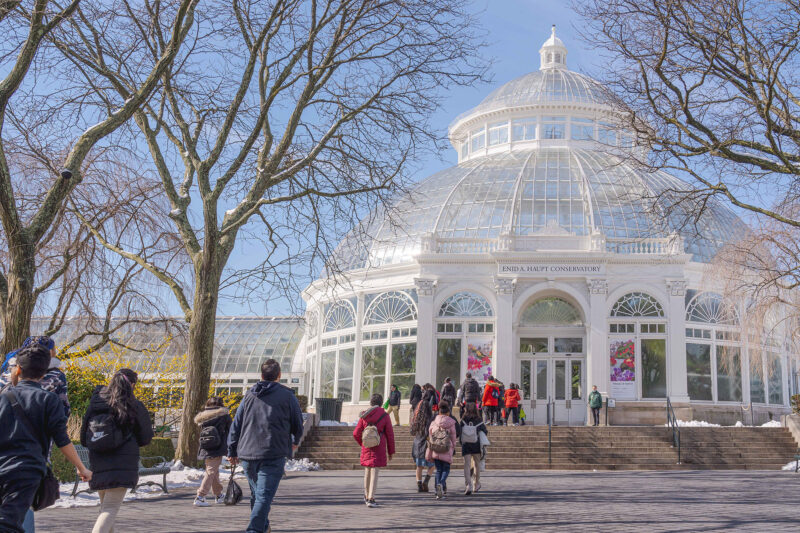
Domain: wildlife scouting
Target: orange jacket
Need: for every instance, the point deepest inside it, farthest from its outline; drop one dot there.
(512, 398)
(488, 397)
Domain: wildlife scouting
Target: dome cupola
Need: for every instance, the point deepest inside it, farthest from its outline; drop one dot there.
(553, 53)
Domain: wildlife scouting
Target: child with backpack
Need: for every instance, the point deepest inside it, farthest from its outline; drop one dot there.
(215, 423)
(114, 427)
(375, 435)
(471, 426)
(441, 447)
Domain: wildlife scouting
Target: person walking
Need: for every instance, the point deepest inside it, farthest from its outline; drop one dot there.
(595, 402)
(470, 390)
(420, 424)
(471, 425)
(431, 395)
(414, 397)
(375, 435)
(448, 392)
(114, 427)
(490, 401)
(441, 447)
(394, 404)
(215, 424)
(512, 399)
(30, 417)
(266, 430)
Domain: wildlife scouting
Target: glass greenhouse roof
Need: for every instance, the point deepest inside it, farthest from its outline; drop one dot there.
(241, 343)
(525, 192)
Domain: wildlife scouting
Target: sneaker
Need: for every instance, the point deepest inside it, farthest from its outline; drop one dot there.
(373, 503)
(477, 487)
(200, 501)
(220, 499)
(467, 491)
(438, 493)
(419, 486)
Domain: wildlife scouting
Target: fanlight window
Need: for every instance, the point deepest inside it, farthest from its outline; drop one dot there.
(465, 304)
(637, 304)
(551, 311)
(393, 306)
(340, 316)
(710, 308)
(311, 323)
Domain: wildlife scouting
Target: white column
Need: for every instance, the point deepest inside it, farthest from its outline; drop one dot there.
(597, 361)
(357, 356)
(426, 353)
(503, 364)
(676, 341)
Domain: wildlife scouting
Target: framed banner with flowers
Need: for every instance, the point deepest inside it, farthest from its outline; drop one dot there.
(623, 369)
(479, 359)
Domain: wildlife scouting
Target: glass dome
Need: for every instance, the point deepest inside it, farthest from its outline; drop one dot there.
(523, 193)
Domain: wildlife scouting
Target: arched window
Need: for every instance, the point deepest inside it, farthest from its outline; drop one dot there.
(637, 304)
(710, 308)
(551, 311)
(392, 306)
(465, 304)
(341, 315)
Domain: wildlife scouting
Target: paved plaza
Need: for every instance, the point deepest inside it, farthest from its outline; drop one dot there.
(510, 501)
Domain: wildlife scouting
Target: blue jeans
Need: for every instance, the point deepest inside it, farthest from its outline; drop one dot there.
(263, 477)
(28, 525)
(16, 498)
(442, 471)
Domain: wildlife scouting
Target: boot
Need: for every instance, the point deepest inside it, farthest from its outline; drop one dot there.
(425, 483)
(419, 486)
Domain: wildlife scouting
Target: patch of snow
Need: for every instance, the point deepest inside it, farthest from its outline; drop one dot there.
(301, 465)
(335, 423)
(738, 424)
(771, 424)
(790, 466)
(695, 424)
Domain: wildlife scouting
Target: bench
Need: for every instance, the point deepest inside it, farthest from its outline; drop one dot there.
(83, 453)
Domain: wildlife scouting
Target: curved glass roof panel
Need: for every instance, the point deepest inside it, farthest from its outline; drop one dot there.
(241, 344)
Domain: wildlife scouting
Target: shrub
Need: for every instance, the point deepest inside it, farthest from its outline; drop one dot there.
(302, 399)
(796, 404)
(65, 472)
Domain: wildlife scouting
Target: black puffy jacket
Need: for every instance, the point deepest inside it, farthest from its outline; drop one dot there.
(120, 467)
(220, 418)
(472, 391)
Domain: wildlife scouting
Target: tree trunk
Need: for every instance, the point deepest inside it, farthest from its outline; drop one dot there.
(201, 348)
(18, 306)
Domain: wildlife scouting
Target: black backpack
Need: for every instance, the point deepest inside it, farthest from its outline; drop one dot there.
(104, 435)
(210, 438)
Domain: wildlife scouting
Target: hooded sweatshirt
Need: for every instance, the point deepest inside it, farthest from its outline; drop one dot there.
(220, 418)
(268, 422)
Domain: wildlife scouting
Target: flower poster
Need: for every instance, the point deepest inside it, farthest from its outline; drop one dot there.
(623, 369)
(479, 359)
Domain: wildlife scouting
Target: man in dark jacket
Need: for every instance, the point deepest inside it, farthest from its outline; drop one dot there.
(266, 430)
(394, 404)
(470, 390)
(24, 446)
(448, 392)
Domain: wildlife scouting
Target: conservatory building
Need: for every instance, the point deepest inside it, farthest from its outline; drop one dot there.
(544, 258)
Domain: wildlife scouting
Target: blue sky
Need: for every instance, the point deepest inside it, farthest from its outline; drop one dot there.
(515, 30)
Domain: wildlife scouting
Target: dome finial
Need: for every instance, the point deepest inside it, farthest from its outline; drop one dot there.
(553, 53)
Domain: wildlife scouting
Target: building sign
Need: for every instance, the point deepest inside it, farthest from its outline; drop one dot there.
(623, 369)
(550, 269)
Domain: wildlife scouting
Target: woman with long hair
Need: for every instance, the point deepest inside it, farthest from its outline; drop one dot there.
(115, 425)
(420, 423)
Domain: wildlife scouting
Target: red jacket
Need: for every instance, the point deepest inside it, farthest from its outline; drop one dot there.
(488, 397)
(512, 398)
(375, 457)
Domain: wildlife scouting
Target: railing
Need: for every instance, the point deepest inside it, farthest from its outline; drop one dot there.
(745, 408)
(551, 404)
(672, 422)
(668, 245)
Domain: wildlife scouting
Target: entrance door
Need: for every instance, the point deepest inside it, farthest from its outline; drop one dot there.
(558, 379)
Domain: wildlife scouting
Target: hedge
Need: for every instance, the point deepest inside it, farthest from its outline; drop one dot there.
(65, 472)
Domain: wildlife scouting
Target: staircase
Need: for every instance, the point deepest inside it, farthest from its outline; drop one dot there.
(584, 448)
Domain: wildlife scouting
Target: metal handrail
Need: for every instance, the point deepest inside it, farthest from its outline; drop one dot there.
(550, 415)
(672, 421)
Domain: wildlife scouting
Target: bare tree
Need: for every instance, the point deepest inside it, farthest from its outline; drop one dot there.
(49, 117)
(287, 120)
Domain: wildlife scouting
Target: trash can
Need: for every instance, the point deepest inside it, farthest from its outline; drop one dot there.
(326, 408)
(338, 415)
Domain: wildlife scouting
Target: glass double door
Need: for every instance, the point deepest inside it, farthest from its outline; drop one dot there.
(556, 379)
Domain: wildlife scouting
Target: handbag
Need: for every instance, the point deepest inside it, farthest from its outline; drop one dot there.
(484, 440)
(48, 491)
(233, 494)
